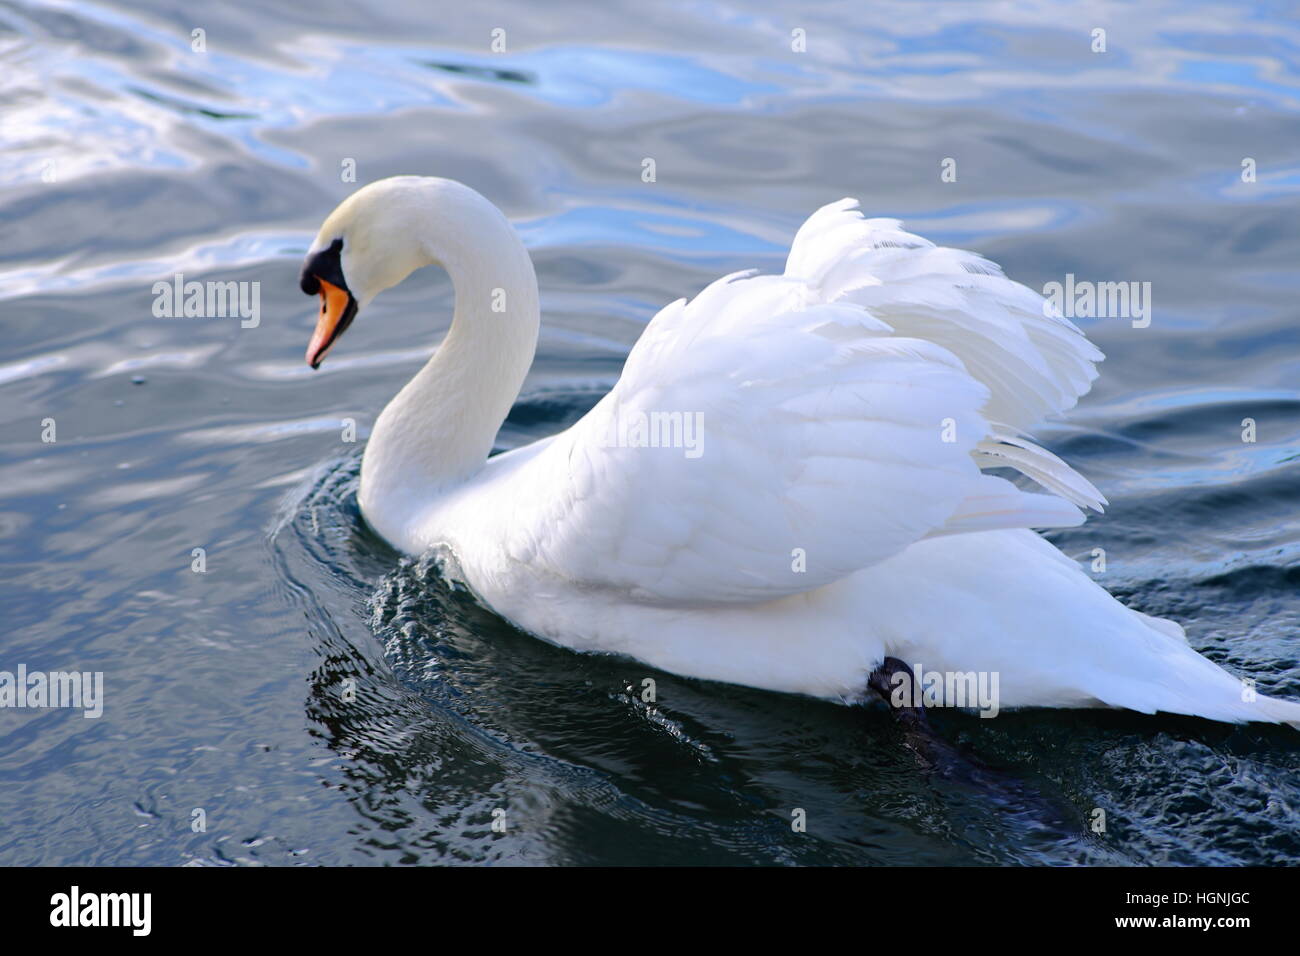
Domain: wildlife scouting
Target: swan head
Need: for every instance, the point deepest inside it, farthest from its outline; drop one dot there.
(371, 242)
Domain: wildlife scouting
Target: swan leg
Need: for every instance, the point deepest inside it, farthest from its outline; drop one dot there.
(936, 755)
(919, 736)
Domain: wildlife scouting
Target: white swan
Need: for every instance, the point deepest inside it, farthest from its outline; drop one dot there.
(829, 512)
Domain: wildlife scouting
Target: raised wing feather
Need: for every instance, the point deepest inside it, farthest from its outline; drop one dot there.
(777, 433)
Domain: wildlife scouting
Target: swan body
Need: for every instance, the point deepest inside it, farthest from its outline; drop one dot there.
(786, 484)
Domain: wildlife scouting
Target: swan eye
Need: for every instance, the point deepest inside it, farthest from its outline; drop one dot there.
(327, 265)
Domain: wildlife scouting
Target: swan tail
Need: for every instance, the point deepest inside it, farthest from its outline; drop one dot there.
(1176, 679)
(1195, 686)
(1051, 635)
(1282, 711)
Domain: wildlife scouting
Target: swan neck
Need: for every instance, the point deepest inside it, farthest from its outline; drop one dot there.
(440, 428)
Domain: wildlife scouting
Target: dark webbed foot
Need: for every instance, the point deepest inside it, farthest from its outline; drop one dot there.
(909, 711)
(895, 682)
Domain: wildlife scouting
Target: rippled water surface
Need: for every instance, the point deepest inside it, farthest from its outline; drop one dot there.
(129, 157)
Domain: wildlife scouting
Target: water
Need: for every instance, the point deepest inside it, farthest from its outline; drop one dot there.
(223, 688)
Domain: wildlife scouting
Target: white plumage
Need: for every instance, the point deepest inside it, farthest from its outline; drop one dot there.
(834, 510)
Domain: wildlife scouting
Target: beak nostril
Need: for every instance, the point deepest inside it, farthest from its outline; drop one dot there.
(337, 309)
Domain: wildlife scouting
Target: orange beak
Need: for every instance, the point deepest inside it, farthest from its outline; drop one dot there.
(337, 308)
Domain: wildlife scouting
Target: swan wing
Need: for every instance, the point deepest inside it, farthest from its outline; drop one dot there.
(777, 433)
